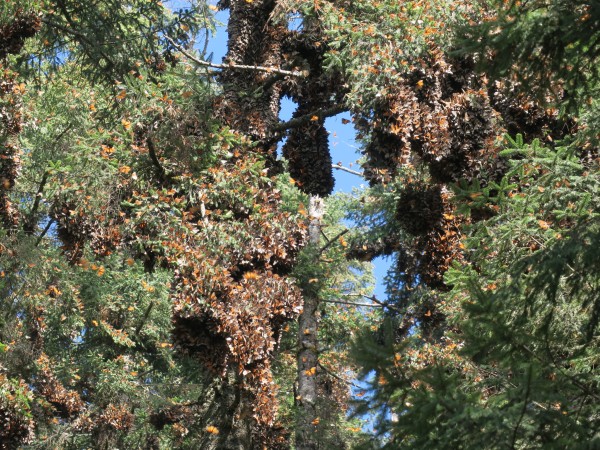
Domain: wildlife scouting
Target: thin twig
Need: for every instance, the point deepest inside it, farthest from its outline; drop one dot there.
(330, 243)
(345, 169)
(574, 380)
(63, 28)
(341, 302)
(334, 375)
(375, 300)
(82, 37)
(200, 62)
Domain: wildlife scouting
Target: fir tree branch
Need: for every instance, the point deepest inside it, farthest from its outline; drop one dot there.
(64, 29)
(82, 38)
(558, 367)
(524, 409)
(200, 62)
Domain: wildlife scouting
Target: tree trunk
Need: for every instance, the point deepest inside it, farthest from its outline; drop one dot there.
(308, 327)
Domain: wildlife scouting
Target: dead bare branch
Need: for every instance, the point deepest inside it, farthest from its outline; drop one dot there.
(276, 70)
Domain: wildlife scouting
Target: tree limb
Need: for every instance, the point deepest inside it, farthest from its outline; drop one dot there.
(375, 300)
(302, 120)
(41, 236)
(330, 242)
(293, 73)
(144, 319)
(152, 152)
(341, 302)
(345, 169)
(29, 225)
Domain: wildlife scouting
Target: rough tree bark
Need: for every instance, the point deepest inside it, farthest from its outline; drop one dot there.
(308, 327)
